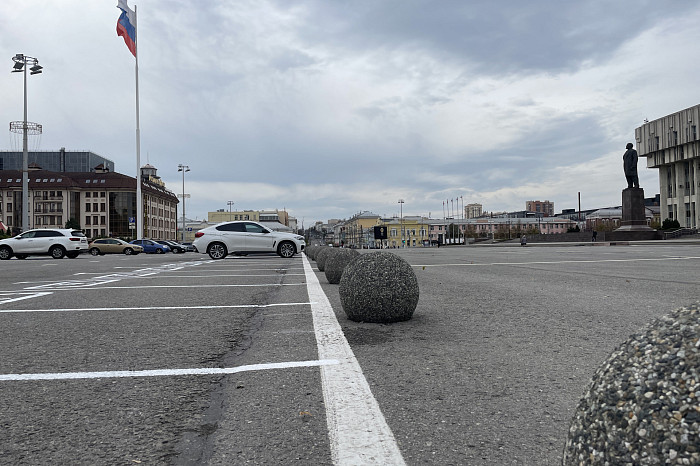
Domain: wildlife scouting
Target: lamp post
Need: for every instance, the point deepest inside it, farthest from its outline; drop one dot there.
(183, 168)
(20, 66)
(230, 203)
(401, 202)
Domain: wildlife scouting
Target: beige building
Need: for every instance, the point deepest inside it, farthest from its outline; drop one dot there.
(671, 144)
(545, 208)
(473, 210)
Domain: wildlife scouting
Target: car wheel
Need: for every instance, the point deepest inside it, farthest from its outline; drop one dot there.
(94, 251)
(159, 251)
(217, 251)
(5, 253)
(128, 251)
(57, 252)
(286, 249)
(72, 255)
(21, 256)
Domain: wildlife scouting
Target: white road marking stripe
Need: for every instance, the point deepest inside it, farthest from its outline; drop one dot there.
(140, 287)
(151, 308)
(21, 298)
(357, 430)
(165, 372)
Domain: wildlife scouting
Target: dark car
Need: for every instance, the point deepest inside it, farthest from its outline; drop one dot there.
(175, 247)
(149, 246)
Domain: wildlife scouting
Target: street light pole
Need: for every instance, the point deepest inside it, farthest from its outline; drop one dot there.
(230, 203)
(401, 201)
(20, 66)
(183, 168)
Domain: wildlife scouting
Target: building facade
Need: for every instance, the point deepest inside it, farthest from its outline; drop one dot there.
(101, 202)
(671, 144)
(473, 210)
(545, 208)
(56, 161)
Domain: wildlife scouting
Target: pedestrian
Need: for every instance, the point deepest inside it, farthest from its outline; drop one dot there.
(523, 240)
(595, 235)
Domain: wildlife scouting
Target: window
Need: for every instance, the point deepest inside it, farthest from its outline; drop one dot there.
(87, 220)
(103, 194)
(103, 220)
(87, 207)
(87, 194)
(103, 207)
(254, 228)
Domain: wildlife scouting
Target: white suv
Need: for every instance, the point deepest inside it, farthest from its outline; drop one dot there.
(244, 237)
(54, 242)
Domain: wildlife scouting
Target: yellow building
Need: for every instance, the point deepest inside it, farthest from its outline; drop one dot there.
(358, 231)
(224, 216)
(410, 231)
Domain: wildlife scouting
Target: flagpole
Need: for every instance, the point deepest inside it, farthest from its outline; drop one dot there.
(139, 198)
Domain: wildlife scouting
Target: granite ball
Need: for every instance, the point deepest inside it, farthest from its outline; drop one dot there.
(336, 263)
(321, 256)
(642, 406)
(310, 251)
(379, 287)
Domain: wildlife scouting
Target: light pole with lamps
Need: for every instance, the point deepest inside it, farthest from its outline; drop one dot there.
(183, 168)
(403, 244)
(21, 64)
(230, 203)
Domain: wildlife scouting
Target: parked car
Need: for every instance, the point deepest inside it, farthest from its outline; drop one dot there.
(188, 247)
(149, 246)
(113, 246)
(246, 237)
(174, 246)
(54, 242)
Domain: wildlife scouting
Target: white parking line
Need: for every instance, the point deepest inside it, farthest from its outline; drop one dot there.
(57, 287)
(151, 308)
(22, 297)
(557, 262)
(357, 430)
(164, 372)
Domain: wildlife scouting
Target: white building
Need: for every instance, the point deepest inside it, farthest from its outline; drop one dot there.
(671, 144)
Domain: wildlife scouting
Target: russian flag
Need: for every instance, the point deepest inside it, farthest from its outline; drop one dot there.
(126, 26)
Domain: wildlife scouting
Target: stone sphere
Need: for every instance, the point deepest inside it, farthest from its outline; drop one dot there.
(379, 287)
(642, 404)
(310, 252)
(336, 262)
(321, 257)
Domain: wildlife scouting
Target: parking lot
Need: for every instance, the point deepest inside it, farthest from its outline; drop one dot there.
(180, 359)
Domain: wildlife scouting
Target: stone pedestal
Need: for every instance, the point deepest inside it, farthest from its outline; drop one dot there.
(633, 211)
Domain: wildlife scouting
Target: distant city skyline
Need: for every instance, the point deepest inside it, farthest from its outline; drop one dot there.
(327, 109)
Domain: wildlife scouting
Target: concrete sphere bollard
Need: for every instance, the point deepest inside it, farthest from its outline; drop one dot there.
(336, 262)
(642, 404)
(321, 256)
(379, 287)
(310, 251)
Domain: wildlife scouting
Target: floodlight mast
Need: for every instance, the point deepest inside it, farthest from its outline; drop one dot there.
(21, 63)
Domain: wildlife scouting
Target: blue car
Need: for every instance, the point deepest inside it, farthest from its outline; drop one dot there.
(150, 246)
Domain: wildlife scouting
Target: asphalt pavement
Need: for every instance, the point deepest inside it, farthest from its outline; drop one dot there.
(177, 359)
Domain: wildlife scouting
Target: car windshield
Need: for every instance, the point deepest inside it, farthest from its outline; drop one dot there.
(77, 233)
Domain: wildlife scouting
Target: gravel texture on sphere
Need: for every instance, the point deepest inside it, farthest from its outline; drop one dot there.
(321, 257)
(642, 404)
(310, 251)
(336, 263)
(379, 287)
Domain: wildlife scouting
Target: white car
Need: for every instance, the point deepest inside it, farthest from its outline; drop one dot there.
(54, 242)
(245, 237)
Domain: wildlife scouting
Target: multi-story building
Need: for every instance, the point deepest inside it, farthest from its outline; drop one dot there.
(473, 210)
(101, 202)
(56, 161)
(546, 208)
(226, 216)
(672, 145)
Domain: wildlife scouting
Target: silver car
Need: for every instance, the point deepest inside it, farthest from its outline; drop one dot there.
(246, 237)
(55, 242)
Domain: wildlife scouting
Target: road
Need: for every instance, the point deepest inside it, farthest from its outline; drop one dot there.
(177, 359)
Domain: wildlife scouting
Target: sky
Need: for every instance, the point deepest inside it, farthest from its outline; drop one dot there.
(327, 108)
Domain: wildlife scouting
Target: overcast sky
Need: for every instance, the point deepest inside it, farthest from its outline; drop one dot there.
(327, 108)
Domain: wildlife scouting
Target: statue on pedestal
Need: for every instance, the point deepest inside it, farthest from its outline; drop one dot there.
(629, 163)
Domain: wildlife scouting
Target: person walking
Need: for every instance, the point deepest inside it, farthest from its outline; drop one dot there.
(595, 235)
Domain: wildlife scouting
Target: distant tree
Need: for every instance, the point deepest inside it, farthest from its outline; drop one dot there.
(575, 229)
(73, 223)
